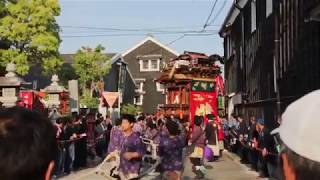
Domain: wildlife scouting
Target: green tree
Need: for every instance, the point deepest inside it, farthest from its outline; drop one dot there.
(130, 109)
(30, 28)
(89, 101)
(90, 65)
(66, 73)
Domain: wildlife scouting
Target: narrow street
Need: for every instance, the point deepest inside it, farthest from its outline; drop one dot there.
(227, 168)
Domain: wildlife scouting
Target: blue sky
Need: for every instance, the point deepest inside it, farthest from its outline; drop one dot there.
(92, 17)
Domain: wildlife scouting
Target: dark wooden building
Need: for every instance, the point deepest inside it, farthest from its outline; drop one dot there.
(272, 55)
(119, 79)
(145, 60)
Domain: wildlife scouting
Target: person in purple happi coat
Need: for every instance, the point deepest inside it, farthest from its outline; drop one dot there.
(116, 137)
(131, 151)
(170, 149)
(152, 132)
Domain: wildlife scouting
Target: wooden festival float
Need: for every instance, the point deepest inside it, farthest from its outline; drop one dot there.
(192, 82)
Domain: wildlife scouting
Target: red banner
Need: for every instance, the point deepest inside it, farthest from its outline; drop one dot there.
(220, 84)
(26, 99)
(202, 104)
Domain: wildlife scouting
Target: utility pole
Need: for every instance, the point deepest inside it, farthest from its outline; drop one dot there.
(277, 58)
(119, 87)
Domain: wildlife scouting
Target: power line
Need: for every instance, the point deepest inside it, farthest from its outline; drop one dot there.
(210, 14)
(179, 38)
(185, 35)
(171, 42)
(153, 32)
(137, 29)
(135, 34)
(219, 12)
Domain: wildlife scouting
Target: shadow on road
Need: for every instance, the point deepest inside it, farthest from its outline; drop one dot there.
(208, 166)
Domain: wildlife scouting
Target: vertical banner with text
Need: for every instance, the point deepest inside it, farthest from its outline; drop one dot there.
(203, 99)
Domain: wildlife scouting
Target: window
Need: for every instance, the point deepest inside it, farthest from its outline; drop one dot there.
(138, 100)
(145, 64)
(269, 7)
(138, 85)
(154, 64)
(8, 92)
(253, 15)
(149, 65)
(160, 87)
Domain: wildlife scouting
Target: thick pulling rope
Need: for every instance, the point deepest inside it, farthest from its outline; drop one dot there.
(114, 160)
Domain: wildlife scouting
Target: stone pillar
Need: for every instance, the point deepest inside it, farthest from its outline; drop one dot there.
(74, 95)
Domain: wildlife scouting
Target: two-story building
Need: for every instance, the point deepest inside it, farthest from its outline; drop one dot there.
(272, 55)
(145, 61)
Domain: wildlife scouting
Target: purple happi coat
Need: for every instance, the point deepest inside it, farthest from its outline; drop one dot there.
(131, 143)
(171, 152)
(154, 135)
(116, 137)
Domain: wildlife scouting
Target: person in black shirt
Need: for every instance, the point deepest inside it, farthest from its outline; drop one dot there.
(107, 123)
(264, 143)
(100, 137)
(80, 129)
(243, 137)
(68, 136)
(211, 132)
(253, 137)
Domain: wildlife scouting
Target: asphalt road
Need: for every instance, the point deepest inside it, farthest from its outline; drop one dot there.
(226, 168)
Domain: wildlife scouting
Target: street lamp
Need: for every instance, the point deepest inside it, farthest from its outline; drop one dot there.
(119, 87)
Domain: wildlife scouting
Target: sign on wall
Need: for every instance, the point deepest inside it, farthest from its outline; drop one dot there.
(203, 99)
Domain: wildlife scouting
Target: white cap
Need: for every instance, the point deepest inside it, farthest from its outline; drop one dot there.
(300, 126)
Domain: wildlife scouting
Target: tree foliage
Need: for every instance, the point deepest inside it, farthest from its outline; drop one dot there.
(67, 73)
(30, 29)
(87, 100)
(130, 109)
(90, 64)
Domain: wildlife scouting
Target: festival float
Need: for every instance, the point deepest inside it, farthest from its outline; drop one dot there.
(193, 82)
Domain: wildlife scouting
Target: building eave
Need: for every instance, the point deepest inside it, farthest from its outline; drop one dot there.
(115, 58)
(153, 40)
(232, 16)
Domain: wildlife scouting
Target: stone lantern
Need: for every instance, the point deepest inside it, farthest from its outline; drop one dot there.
(57, 95)
(10, 85)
